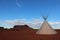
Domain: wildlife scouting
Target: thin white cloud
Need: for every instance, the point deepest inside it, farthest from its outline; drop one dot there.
(19, 3)
(15, 22)
(36, 23)
(52, 23)
(33, 24)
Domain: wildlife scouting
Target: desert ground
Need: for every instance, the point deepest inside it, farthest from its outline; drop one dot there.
(26, 33)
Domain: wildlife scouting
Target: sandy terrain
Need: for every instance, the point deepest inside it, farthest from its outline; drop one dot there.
(26, 33)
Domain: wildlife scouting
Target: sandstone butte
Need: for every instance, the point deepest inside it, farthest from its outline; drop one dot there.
(24, 32)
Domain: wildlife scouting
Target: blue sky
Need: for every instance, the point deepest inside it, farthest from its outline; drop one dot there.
(29, 10)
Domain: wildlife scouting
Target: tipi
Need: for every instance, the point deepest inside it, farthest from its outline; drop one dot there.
(46, 28)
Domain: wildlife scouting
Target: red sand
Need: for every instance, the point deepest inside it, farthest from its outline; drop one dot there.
(26, 34)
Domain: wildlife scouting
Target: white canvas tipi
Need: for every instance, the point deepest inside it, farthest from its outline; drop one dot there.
(46, 28)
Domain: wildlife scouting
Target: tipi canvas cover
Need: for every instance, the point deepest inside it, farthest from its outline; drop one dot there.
(46, 29)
